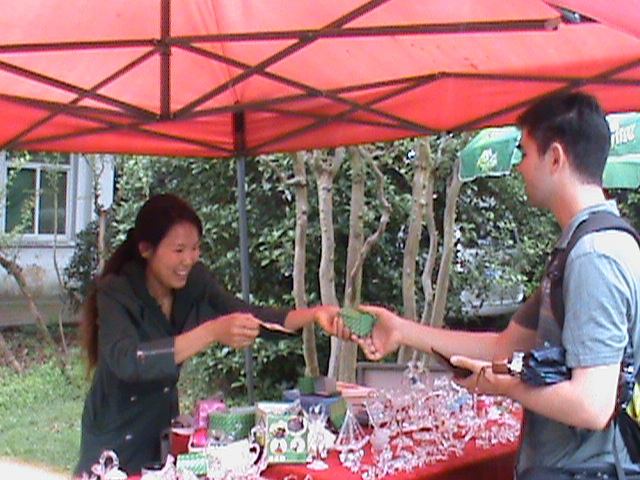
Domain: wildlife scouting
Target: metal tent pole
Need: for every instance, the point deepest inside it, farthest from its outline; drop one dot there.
(240, 143)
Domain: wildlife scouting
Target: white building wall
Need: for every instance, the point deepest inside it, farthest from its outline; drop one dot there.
(39, 260)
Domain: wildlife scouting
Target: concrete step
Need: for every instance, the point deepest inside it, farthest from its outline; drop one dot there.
(14, 470)
(15, 311)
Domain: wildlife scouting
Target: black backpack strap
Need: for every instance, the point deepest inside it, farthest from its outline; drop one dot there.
(596, 222)
(630, 434)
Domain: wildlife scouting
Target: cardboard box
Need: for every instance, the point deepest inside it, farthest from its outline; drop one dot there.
(282, 429)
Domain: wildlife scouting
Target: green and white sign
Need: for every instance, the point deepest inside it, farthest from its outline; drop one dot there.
(494, 151)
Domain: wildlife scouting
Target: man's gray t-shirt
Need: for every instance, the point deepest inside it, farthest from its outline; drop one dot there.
(601, 291)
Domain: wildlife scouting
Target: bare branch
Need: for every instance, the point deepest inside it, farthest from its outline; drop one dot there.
(422, 170)
(422, 183)
(56, 267)
(325, 169)
(434, 235)
(8, 355)
(16, 272)
(356, 231)
(448, 237)
(348, 351)
(382, 225)
(312, 367)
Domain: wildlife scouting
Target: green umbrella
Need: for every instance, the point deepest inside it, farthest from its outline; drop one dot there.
(625, 133)
(494, 151)
(490, 153)
(623, 165)
(622, 172)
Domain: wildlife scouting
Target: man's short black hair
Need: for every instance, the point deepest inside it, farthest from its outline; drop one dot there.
(577, 122)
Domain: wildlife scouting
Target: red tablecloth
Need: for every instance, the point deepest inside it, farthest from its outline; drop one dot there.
(496, 463)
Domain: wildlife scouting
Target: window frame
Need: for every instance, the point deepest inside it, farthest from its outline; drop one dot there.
(40, 167)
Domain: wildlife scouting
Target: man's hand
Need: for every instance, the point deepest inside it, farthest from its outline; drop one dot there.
(385, 337)
(482, 380)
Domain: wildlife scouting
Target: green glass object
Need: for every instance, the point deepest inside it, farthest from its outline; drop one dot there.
(338, 412)
(360, 323)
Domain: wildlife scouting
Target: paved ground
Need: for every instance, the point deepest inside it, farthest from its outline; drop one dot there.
(14, 311)
(11, 470)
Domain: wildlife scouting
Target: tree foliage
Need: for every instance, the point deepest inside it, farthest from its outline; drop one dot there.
(493, 219)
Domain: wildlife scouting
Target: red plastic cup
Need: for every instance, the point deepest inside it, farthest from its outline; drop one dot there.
(180, 440)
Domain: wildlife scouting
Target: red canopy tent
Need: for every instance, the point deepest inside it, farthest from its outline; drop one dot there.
(218, 78)
(213, 78)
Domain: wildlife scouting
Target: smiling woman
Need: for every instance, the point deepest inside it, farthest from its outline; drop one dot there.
(154, 306)
(169, 263)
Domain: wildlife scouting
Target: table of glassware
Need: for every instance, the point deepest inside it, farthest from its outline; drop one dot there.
(435, 431)
(494, 463)
(429, 428)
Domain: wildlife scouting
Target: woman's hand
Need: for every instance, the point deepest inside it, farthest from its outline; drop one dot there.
(385, 337)
(236, 330)
(326, 316)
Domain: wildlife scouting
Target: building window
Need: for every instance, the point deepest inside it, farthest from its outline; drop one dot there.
(37, 194)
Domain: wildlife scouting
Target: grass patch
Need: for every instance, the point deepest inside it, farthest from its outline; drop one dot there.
(41, 409)
(40, 413)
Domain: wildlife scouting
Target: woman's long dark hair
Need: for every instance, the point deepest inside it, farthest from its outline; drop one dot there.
(154, 220)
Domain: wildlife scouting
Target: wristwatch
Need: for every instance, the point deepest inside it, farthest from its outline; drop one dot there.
(509, 367)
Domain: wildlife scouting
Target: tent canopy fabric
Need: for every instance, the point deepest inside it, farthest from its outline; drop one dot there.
(217, 78)
(624, 17)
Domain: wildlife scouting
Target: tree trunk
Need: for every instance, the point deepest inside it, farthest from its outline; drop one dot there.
(448, 238)
(434, 241)
(8, 355)
(300, 187)
(382, 223)
(356, 271)
(353, 283)
(102, 231)
(56, 266)
(13, 269)
(420, 177)
(434, 238)
(98, 165)
(325, 171)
